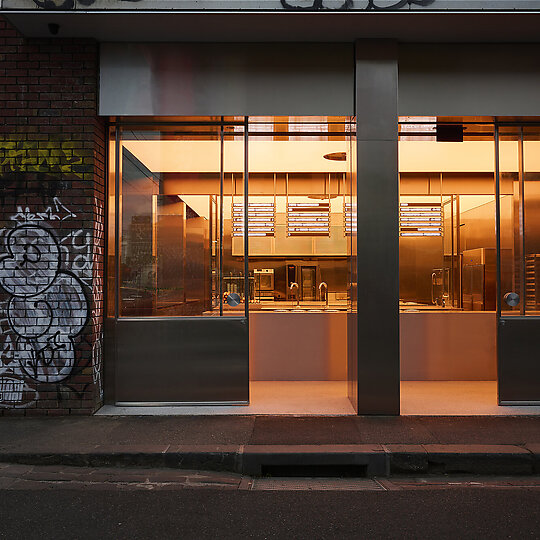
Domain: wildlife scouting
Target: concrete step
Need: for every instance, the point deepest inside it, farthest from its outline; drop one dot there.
(256, 460)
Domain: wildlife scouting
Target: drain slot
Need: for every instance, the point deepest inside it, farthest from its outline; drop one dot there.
(319, 471)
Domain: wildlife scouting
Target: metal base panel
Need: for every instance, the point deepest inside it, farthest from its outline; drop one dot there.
(178, 403)
(182, 361)
(519, 368)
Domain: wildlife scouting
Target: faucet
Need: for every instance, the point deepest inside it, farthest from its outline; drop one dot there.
(292, 286)
(324, 286)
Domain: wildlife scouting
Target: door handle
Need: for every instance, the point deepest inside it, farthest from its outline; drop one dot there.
(512, 299)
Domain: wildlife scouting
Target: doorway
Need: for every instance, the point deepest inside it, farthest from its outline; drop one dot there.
(518, 276)
(464, 281)
(229, 274)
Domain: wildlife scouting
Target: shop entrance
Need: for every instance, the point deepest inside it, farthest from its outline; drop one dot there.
(468, 244)
(229, 263)
(299, 221)
(518, 276)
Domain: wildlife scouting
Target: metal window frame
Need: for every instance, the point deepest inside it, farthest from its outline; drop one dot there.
(118, 125)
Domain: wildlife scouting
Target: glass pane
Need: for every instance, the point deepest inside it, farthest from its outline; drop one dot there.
(511, 253)
(298, 230)
(176, 247)
(531, 203)
(233, 222)
(447, 216)
(111, 224)
(351, 226)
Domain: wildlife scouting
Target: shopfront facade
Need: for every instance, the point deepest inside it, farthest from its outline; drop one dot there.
(204, 208)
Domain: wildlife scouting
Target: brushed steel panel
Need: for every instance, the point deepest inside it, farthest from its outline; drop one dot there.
(377, 236)
(165, 79)
(378, 278)
(182, 360)
(456, 79)
(376, 89)
(519, 367)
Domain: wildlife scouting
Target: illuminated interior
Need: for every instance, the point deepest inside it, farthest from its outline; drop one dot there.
(183, 244)
(448, 255)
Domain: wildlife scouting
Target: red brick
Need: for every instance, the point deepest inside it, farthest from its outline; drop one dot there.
(48, 90)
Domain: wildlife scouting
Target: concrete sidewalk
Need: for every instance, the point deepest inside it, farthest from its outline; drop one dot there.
(255, 445)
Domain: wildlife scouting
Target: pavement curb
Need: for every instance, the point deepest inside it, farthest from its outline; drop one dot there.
(255, 460)
(466, 459)
(369, 459)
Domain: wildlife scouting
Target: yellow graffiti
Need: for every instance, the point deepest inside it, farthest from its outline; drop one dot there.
(57, 156)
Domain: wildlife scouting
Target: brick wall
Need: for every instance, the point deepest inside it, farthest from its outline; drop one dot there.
(52, 170)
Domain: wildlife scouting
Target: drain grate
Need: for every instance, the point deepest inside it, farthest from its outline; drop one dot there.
(316, 484)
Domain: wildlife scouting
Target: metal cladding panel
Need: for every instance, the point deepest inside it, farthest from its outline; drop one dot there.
(173, 79)
(182, 360)
(456, 79)
(377, 235)
(519, 367)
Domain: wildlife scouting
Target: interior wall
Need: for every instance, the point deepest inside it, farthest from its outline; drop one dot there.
(477, 227)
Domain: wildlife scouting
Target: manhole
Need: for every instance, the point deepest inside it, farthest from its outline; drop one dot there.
(316, 484)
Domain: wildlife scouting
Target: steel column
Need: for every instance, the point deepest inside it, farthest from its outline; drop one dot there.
(377, 235)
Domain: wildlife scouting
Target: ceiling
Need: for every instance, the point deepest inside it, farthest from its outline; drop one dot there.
(183, 26)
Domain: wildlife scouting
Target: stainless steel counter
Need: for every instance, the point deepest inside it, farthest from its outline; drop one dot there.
(298, 346)
(448, 345)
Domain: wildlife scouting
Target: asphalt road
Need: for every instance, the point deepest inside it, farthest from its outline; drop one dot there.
(223, 514)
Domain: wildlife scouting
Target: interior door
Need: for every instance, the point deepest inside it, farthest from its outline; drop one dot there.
(518, 269)
(181, 328)
(308, 282)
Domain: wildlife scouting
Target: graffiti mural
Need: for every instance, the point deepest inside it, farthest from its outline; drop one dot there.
(45, 307)
(66, 4)
(368, 5)
(97, 289)
(316, 5)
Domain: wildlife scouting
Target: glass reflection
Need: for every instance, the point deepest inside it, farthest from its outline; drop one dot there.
(183, 217)
(447, 216)
(176, 246)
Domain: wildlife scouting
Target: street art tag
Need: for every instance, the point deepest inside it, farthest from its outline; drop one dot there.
(45, 303)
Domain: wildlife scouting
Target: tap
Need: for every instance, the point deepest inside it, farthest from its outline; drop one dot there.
(324, 286)
(292, 286)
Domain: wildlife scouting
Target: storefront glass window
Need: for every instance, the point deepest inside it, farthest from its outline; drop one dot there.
(300, 213)
(181, 189)
(447, 215)
(519, 153)
(182, 217)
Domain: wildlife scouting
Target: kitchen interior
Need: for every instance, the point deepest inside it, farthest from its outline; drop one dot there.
(183, 245)
(448, 259)
(183, 250)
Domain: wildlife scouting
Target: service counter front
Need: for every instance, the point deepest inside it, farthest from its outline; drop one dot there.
(436, 345)
(298, 346)
(448, 345)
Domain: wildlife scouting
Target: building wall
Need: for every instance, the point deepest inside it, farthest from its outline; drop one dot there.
(274, 5)
(52, 163)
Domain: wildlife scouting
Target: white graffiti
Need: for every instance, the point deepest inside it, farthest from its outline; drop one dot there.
(76, 253)
(11, 389)
(56, 212)
(97, 364)
(15, 392)
(97, 293)
(47, 307)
